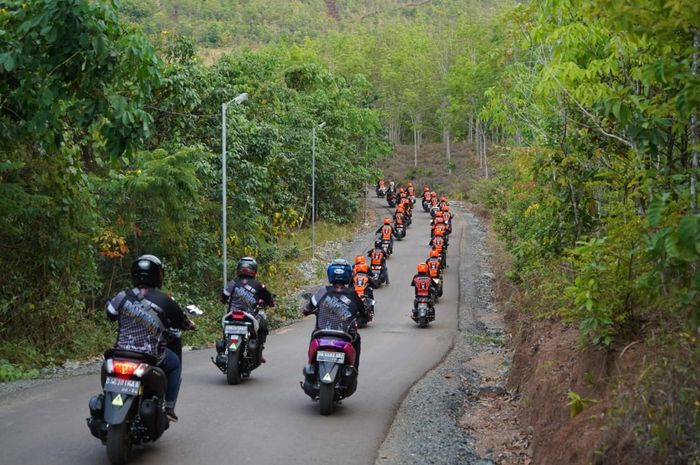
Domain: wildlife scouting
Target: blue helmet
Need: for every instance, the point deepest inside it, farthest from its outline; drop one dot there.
(339, 272)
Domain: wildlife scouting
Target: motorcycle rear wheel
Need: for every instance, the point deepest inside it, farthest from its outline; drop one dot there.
(325, 398)
(423, 321)
(118, 444)
(233, 372)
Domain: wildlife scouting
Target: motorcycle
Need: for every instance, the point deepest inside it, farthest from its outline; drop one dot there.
(391, 198)
(423, 312)
(425, 201)
(438, 286)
(433, 210)
(131, 409)
(330, 374)
(399, 231)
(367, 314)
(380, 190)
(238, 353)
(377, 276)
(387, 247)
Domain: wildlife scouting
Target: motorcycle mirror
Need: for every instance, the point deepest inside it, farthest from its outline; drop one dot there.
(194, 310)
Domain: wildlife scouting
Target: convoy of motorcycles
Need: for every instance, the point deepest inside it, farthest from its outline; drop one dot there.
(130, 410)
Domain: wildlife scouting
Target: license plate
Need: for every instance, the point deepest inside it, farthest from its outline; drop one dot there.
(236, 329)
(325, 356)
(122, 386)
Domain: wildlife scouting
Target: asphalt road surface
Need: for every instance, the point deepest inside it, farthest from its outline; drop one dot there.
(267, 419)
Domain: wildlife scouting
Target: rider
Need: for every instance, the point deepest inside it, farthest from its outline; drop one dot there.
(423, 284)
(447, 216)
(378, 257)
(439, 226)
(399, 215)
(386, 233)
(337, 306)
(439, 243)
(411, 192)
(361, 282)
(359, 260)
(144, 313)
(434, 264)
(247, 293)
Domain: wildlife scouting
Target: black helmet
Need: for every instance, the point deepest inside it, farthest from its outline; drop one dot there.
(247, 266)
(147, 270)
(378, 244)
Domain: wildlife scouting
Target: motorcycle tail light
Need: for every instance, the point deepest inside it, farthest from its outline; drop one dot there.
(126, 369)
(237, 315)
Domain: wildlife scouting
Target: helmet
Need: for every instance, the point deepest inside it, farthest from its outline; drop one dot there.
(422, 268)
(359, 259)
(443, 199)
(400, 209)
(439, 233)
(391, 183)
(426, 189)
(410, 184)
(362, 268)
(400, 189)
(438, 215)
(247, 266)
(434, 253)
(378, 244)
(339, 271)
(147, 270)
(387, 220)
(445, 208)
(433, 194)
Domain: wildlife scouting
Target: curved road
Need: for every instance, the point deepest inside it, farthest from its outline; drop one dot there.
(267, 419)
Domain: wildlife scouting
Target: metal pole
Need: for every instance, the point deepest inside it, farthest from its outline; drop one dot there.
(366, 187)
(223, 188)
(240, 98)
(313, 192)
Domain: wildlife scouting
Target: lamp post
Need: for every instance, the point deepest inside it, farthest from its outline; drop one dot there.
(313, 188)
(237, 100)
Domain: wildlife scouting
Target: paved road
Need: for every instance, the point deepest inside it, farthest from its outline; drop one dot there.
(267, 419)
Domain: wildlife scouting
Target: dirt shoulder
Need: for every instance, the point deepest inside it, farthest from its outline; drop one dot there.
(443, 418)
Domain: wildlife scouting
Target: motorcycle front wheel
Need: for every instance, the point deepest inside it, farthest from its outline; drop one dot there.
(325, 398)
(118, 444)
(233, 372)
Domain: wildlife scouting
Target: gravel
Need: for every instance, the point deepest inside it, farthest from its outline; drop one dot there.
(425, 429)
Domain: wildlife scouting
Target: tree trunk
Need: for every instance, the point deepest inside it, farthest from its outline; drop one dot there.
(415, 147)
(483, 148)
(471, 129)
(694, 133)
(446, 138)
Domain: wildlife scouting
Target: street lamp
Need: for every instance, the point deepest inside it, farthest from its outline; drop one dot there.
(237, 100)
(313, 188)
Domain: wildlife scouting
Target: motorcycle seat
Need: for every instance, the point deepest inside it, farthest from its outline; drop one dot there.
(130, 354)
(332, 333)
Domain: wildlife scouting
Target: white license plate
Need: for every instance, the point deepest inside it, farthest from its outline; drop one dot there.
(122, 386)
(325, 356)
(236, 329)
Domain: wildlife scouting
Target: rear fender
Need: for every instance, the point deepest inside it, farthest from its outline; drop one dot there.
(327, 372)
(117, 407)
